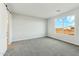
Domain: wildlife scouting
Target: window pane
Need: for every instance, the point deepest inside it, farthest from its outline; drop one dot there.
(69, 25)
(59, 25)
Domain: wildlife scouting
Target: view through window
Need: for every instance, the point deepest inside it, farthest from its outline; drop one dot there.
(65, 25)
(59, 25)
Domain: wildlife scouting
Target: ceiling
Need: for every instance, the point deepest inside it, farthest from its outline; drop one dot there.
(42, 10)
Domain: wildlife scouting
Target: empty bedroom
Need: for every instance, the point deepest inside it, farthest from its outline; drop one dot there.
(39, 29)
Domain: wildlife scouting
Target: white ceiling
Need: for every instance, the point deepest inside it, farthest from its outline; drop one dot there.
(42, 10)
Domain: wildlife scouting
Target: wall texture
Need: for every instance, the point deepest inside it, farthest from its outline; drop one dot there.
(3, 29)
(24, 27)
(68, 38)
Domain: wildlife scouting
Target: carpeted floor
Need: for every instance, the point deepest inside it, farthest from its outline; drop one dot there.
(42, 47)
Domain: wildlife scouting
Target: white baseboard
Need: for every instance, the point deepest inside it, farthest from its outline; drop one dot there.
(69, 39)
(28, 37)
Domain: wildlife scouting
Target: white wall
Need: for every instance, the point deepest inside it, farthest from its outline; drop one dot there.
(68, 38)
(24, 27)
(3, 29)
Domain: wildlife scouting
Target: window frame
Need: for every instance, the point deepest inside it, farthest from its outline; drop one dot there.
(63, 25)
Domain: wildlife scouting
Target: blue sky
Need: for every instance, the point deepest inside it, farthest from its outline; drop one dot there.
(68, 21)
(59, 23)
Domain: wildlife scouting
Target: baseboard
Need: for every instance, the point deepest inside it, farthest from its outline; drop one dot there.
(35, 37)
(63, 41)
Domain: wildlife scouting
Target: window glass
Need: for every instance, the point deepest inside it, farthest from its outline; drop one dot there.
(65, 25)
(59, 25)
(69, 25)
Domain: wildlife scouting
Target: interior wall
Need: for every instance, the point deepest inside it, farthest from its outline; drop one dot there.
(3, 29)
(64, 37)
(9, 27)
(25, 27)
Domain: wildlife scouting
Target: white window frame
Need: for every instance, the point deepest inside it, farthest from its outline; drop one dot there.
(63, 26)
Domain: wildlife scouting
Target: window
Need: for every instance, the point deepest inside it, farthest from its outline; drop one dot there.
(59, 27)
(65, 25)
(69, 25)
